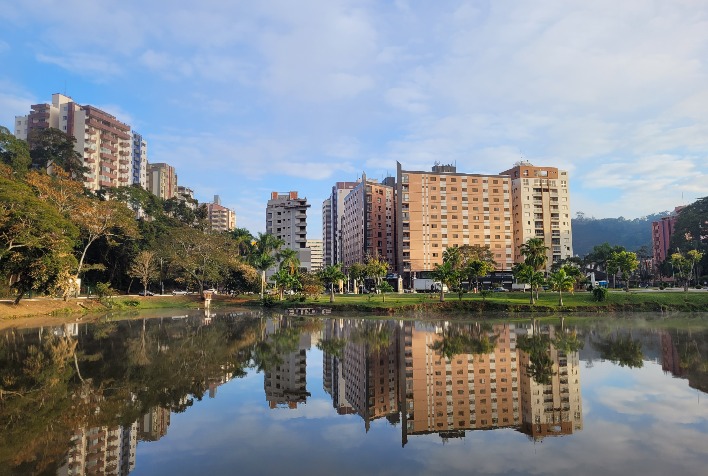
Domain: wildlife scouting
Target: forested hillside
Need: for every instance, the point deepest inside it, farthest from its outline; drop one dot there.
(631, 234)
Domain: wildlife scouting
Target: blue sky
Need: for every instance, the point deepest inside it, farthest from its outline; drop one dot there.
(245, 98)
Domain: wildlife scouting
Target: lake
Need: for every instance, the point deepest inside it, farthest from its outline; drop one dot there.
(240, 392)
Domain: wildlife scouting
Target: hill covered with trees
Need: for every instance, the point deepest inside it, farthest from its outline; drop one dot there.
(589, 232)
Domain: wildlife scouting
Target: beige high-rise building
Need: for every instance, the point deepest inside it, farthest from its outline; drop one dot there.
(286, 218)
(316, 256)
(162, 180)
(541, 209)
(103, 142)
(220, 217)
(444, 208)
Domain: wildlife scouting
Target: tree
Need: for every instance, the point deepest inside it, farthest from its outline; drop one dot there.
(198, 256)
(283, 281)
(143, 267)
(384, 287)
(14, 153)
(357, 272)
(476, 269)
(263, 254)
(289, 260)
(51, 147)
(560, 281)
(330, 275)
(446, 274)
(376, 268)
(684, 265)
(691, 230)
(527, 274)
(534, 251)
(624, 262)
(244, 240)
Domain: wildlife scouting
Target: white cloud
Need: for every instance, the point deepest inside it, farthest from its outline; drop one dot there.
(95, 66)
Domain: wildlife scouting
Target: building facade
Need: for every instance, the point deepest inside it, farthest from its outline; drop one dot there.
(316, 256)
(103, 141)
(286, 219)
(220, 217)
(139, 160)
(162, 180)
(332, 215)
(541, 209)
(368, 223)
(444, 208)
(661, 232)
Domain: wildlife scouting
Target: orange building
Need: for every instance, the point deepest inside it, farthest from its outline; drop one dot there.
(444, 208)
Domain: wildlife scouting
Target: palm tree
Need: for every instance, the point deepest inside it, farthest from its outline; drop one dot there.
(560, 281)
(289, 260)
(330, 275)
(243, 239)
(534, 251)
(446, 274)
(283, 280)
(527, 274)
(263, 251)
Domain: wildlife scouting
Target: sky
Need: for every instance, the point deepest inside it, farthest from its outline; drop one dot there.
(244, 98)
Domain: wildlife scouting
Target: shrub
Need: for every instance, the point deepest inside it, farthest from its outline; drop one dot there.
(268, 300)
(600, 294)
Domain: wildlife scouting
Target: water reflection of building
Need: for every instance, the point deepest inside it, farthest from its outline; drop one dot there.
(101, 450)
(553, 407)
(451, 378)
(153, 425)
(371, 369)
(333, 369)
(467, 391)
(286, 381)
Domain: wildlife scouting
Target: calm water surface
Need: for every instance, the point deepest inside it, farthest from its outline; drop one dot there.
(242, 393)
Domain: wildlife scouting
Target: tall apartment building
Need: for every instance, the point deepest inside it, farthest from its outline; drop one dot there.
(368, 223)
(332, 214)
(316, 257)
(103, 141)
(139, 160)
(661, 232)
(101, 450)
(541, 208)
(444, 208)
(220, 217)
(162, 180)
(286, 218)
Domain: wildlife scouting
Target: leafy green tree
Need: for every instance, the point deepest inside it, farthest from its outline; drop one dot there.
(621, 349)
(560, 281)
(330, 275)
(624, 262)
(384, 287)
(244, 240)
(376, 268)
(263, 254)
(684, 265)
(284, 281)
(357, 273)
(14, 153)
(691, 230)
(51, 147)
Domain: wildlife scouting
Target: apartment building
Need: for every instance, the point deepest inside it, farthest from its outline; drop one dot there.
(541, 209)
(139, 160)
(286, 218)
(444, 208)
(162, 180)
(368, 223)
(316, 256)
(661, 233)
(220, 217)
(332, 214)
(103, 141)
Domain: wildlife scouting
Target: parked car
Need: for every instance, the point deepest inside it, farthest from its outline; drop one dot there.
(179, 292)
(146, 293)
(500, 289)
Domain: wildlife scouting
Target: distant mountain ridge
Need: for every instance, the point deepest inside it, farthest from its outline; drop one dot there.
(631, 234)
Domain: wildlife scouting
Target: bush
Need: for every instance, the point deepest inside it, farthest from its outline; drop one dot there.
(600, 294)
(268, 300)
